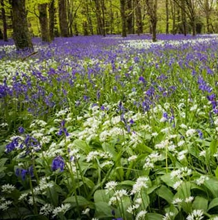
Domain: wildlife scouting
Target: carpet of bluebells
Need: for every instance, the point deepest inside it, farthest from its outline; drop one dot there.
(110, 128)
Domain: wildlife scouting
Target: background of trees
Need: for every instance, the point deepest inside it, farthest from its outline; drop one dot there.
(53, 18)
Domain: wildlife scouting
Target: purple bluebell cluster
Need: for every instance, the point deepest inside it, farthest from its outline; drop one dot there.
(58, 164)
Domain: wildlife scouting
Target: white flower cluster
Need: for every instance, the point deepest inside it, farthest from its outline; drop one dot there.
(46, 209)
(201, 180)
(118, 195)
(94, 154)
(141, 182)
(5, 205)
(61, 209)
(196, 215)
(110, 186)
(181, 173)
(8, 188)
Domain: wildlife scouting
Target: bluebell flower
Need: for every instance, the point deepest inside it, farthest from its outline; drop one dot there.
(20, 172)
(142, 79)
(21, 130)
(62, 129)
(11, 146)
(200, 134)
(58, 163)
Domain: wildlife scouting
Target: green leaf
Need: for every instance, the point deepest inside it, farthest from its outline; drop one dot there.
(3, 161)
(110, 149)
(166, 178)
(126, 202)
(212, 185)
(213, 204)
(82, 145)
(213, 146)
(165, 193)
(154, 216)
(80, 200)
(102, 210)
(88, 182)
(216, 172)
(101, 196)
(200, 203)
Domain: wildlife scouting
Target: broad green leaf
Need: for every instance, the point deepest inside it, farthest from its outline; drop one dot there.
(200, 203)
(101, 196)
(3, 161)
(212, 185)
(213, 204)
(110, 149)
(102, 210)
(166, 178)
(82, 145)
(213, 146)
(216, 172)
(127, 183)
(79, 200)
(88, 182)
(165, 193)
(154, 216)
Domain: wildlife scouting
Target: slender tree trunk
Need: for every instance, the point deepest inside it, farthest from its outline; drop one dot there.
(193, 24)
(111, 18)
(207, 14)
(20, 26)
(167, 16)
(63, 18)
(5, 36)
(152, 12)
(138, 14)
(123, 17)
(89, 19)
(103, 18)
(51, 20)
(43, 19)
(184, 19)
(173, 11)
(129, 19)
(98, 17)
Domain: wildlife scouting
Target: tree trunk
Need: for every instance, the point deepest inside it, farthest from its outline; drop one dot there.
(111, 18)
(5, 36)
(193, 24)
(152, 12)
(20, 27)
(138, 13)
(43, 19)
(184, 20)
(167, 16)
(123, 17)
(51, 20)
(103, 18)
(130, 14)
(63, 18)
(98, 17)
(89, 19)
(173, 11)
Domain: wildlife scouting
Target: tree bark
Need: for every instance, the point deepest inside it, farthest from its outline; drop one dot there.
(152, 12)
(21, 34)
(43, 19)
(130, 14)
(184, 20)
(5, 36)
(63, 18)
(98, 17)
(51, 12)
(123, 17)
(138, 13)
(167, 16)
